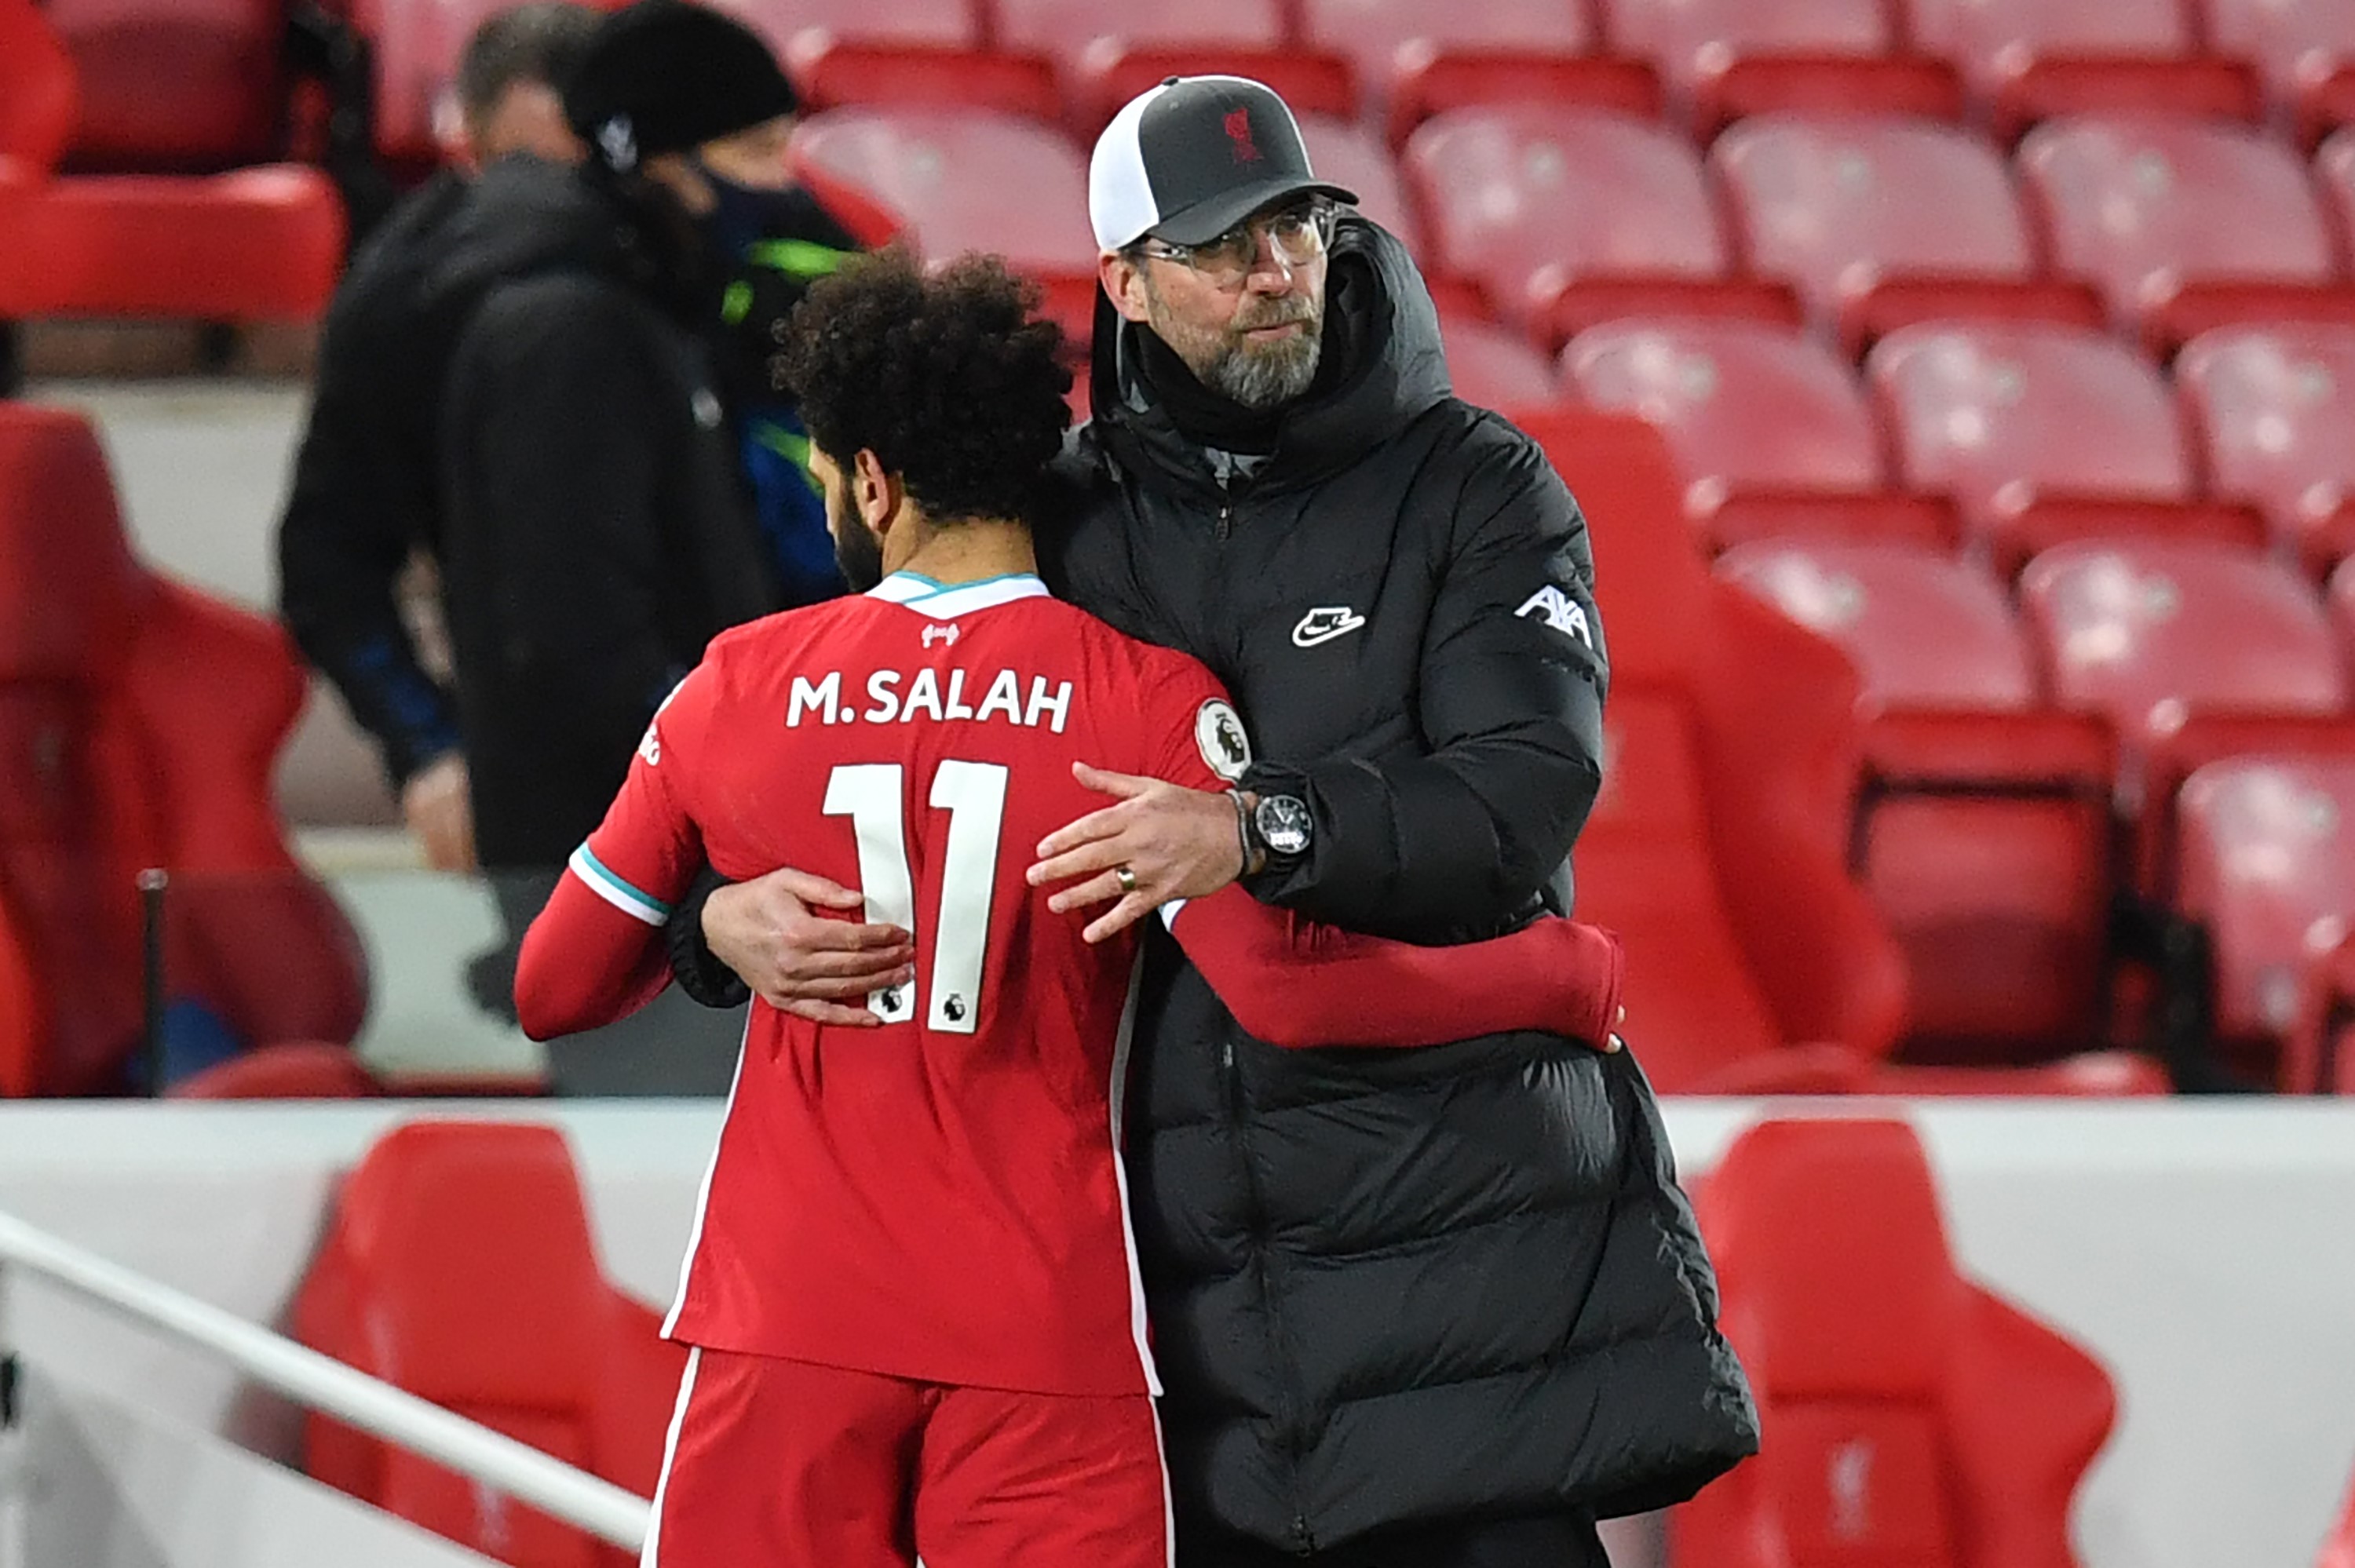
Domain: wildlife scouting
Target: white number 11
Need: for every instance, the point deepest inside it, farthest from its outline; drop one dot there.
(974, 795)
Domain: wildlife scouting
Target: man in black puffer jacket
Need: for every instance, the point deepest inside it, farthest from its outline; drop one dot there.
(1429, 1309)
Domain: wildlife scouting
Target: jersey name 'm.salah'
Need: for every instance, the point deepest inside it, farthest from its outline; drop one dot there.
(894, 697)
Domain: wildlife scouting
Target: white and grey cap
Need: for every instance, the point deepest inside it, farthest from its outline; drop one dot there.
(1189, 159)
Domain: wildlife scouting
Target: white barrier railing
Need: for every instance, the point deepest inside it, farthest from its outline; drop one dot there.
(302, 1374)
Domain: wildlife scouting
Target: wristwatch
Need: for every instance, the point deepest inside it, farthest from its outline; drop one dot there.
(1282, 826)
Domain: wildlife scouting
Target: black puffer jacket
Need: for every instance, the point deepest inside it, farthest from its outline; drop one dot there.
(1394, 1286)
(596, 534)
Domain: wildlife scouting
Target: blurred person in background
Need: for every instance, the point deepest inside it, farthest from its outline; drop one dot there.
(365, 497)
(368, 501)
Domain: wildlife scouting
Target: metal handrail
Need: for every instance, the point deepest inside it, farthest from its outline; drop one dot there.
(323, 1383)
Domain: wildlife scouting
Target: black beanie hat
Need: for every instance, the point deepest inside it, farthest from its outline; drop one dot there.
(663, 76)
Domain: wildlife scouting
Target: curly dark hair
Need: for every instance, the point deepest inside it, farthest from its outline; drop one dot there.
(947, 378)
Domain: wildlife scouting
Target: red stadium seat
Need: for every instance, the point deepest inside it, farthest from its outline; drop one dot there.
(1749, 410)
(1495, 366)
(308, 1072)
(2304, 51)
(1355, 160)
(1882, 221)
(2267, 864)
(2035, 59)
(2039, 433)
(2338, 1548)
(458, 1266)
(1924, 630)
(2183, 223)
(2274, 408)
(2150, 634)
(831, 68)
(139, 722)
(1984, 827)
(1732, 59)
(36, 89)
(258, 244)
(1416, 60)
(1716, 849)
(1110, 52)
(1915, 1419)
(1566, 217)
(2194, 651)
(1682, 38)
(972, 179)
(2334, 171)
(174, 84)
(932, 24)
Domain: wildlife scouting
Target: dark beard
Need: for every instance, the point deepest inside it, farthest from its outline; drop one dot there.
(860, 553)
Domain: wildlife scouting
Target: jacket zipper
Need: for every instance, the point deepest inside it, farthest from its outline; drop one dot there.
(1304, 1541)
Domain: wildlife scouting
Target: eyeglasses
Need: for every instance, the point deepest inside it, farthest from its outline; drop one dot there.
(1298, 235)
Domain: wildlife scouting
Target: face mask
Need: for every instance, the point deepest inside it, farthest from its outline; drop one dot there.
(743, 215)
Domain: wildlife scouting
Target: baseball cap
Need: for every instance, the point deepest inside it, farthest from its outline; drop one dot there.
(1187, 160)
(665, 76)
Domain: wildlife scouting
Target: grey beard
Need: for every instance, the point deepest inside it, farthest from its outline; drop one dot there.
(1265, 378)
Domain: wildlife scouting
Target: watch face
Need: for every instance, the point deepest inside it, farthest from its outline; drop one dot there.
(1283, 822)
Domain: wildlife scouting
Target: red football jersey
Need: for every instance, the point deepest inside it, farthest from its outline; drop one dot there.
(941, 1198)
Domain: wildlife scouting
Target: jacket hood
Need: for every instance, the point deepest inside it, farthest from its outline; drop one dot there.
(1377, 314)
(525, 216)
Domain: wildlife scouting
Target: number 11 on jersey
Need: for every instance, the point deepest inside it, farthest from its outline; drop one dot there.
(873, 795)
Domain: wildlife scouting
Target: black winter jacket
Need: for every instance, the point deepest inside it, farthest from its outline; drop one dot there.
(363, 493)
(595, 535)
(1391, 1287)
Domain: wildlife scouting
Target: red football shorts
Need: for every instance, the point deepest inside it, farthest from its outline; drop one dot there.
(791, 1465)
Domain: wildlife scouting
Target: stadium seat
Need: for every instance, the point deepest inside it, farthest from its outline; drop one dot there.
(2274, 409)
(2194, 652)
(2183, 223)
(1713, 832)
(257, 244)
(1566, 217)
(1725, 60)
(36, 89)
(909, 52)
(2318, 1058)
(1355, 159)
(972, 179)
(1749, 410)
(2303, 51)
(1495, 366)
(1109, 51)
(2041, 434)
(175, 85)
(2037, 60)
(458, 1265)
(2151, 632)
(1880, 221)
(2334, 171)
(1983, 827)
(1914, 1419)
(1415, 60)
(2338, 1548)
(139, 723)
(2267, 864)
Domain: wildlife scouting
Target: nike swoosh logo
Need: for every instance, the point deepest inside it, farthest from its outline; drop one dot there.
(1321, 626)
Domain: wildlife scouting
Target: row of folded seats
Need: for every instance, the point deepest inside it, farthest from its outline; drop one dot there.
(1537, 222)
(1908, 1411)
(2004, 62)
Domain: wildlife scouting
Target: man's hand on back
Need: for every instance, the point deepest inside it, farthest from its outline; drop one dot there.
(800, 961)
(1176, 842)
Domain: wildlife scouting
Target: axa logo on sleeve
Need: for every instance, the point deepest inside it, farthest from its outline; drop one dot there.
(1325, 623)
(1559, 610)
